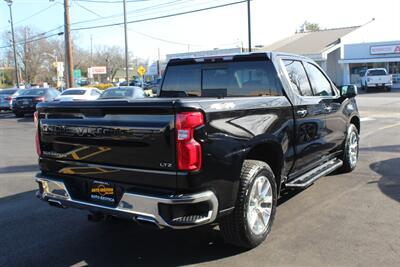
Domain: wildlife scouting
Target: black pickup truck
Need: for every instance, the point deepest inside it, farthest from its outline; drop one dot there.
(221, 140)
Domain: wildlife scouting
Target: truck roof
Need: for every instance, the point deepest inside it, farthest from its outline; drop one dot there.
(249, 55)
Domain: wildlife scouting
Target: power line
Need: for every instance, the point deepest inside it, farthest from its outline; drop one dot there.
(129, 22)
(140, 33)
(33, 40)
(161, 17)
(33, 15)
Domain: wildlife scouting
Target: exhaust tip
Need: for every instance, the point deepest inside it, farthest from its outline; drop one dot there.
(56, 203)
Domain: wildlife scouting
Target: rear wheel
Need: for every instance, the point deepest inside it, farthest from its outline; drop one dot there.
(250, 222)
(350, 152)
(388, 88)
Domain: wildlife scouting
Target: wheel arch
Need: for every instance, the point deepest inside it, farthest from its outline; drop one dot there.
(271, 153)
(356, 121)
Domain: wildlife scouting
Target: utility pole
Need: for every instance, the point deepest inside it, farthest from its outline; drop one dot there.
(249, 23)
(9, 3)
(126, 45)
(68, 46)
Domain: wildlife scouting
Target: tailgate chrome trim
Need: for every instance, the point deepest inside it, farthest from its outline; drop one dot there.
(133, 205)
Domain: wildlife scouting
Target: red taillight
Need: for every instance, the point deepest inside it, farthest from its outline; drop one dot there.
(37, 140)
(188, 150)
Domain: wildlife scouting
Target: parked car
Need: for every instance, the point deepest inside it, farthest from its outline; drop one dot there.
(27, 100)
(135, 82)
(79, 94)
(6, 98)
(218, 145)
(123, 92)
(376, 78)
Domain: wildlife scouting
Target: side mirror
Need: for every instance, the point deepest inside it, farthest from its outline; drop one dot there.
(348, 91)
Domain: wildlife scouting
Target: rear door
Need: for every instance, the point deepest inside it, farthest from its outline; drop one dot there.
(335, 120)
(310, 120)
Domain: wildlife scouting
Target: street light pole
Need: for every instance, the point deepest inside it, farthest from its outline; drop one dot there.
(9, 3)
(126, 45)
(249, 23)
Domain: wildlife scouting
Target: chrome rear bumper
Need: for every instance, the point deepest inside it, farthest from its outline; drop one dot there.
(144, 208)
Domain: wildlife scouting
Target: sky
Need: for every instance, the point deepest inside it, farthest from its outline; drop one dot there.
(225, 27)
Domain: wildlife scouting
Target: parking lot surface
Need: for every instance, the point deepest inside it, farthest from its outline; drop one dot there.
(347, 219)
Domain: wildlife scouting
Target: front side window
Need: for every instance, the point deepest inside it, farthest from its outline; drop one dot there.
(298, 77)
(319, 83)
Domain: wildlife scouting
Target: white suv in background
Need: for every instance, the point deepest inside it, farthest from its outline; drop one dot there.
(79, 94)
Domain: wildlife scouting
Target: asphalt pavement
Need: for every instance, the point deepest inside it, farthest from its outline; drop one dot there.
(347, 219)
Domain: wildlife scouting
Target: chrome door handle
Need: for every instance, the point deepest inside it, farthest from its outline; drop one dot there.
(302, 113)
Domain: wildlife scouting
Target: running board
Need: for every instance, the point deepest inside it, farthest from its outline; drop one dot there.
(313, 175)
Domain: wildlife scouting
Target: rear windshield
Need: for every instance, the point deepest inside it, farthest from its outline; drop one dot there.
(7, 92)
(118, 92)
(222, 79)
(376, 72)
(74, 92)
(33, 92)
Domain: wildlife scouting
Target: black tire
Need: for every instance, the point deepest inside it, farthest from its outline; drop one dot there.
(234, 227)
(388, 88)
(19, 114)
(348, 166)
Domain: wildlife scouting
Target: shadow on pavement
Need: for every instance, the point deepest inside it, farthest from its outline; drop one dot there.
(389, 183)
(20, 168)
(35, 234)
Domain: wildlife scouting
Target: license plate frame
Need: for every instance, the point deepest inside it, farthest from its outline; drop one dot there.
(102, 192)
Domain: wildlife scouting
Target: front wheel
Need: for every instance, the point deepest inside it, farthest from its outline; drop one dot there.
(350, 152)
(250, 222)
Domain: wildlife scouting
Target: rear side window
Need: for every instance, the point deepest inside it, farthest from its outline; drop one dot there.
(226, 79)
(320, 84)
(298, 77)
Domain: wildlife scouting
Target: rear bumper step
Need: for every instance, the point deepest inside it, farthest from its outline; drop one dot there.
(142, 208)
(313, 175)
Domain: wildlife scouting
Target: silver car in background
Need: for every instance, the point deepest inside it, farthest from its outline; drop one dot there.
(6, 97)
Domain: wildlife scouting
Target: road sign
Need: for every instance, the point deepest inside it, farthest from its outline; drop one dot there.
(99, 70)
(141, 70)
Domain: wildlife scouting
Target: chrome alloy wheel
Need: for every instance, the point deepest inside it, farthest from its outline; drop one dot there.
(259, 206)
(353, 149)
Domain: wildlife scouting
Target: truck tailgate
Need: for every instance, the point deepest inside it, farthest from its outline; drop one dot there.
(127, 137)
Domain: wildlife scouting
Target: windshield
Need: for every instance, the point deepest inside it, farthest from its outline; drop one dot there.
(74, 92)
(7, 92)
(376, 72)
(221, 79)
(34, 92)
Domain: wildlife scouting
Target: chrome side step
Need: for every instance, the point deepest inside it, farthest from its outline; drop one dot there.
(314, 174)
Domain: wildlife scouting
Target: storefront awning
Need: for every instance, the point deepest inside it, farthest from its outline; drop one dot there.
(369, 60)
